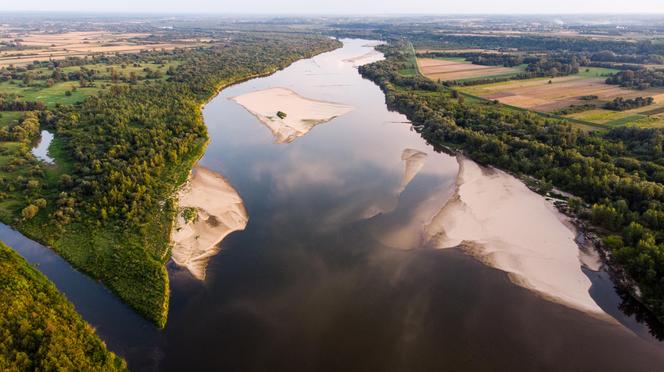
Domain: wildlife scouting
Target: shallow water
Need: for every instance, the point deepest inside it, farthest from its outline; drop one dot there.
(331, 272)
(40, 150)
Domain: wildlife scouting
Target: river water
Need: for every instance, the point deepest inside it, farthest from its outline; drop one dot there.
(331, 272)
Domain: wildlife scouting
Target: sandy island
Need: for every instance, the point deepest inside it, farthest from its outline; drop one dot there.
(497, 219)
(218, 212)
(302, 114)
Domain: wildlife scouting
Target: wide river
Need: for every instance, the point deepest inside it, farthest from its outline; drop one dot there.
(331, 272)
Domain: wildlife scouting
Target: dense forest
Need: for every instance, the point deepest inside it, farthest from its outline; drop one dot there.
(638, 79)
(39, 329)
(122, 153)
(618, 176)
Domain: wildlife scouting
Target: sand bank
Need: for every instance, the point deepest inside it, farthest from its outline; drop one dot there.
(218, 212)
(302, 114)
(501, 222)
(364, 59)
(413, 163)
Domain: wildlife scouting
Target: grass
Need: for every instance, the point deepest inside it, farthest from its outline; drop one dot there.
(650, 122)
(411, 68)
(600, 116)
(629, 119)
(50, 96)
(8, 117)
(596, 71)
(451, 59)
(498, 76)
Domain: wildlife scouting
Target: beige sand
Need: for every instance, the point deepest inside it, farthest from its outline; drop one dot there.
(302, 113)
(364, 59)
(220, 212)
(413, 163)
(498, 220)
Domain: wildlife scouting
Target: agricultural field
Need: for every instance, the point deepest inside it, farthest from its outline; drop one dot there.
(550, 94)
(446, 69)
(588, 87)
(22, 48)
(651, 116)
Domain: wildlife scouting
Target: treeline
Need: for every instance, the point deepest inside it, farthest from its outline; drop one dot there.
(127, 150)
(39, 329)
(552, 65)
(641, 79)
(26, 130)
(619, 174)
(9, 102)
(611, 56)
(622, 104)
(536, 43)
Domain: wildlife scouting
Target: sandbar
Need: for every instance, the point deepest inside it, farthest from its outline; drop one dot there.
(218, 210)
(302, 114)
(494, 217)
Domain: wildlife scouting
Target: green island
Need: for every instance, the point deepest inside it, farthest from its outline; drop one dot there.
(39, 327)
(615, 175)
(127, 129)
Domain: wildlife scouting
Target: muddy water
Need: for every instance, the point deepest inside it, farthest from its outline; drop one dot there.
(332, 271)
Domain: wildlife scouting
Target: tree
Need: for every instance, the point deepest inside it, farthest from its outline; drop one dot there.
(29, 212)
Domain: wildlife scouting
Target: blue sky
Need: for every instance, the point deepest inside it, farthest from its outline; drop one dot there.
(344, 6)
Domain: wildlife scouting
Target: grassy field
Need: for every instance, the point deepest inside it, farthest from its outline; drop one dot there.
(50, 96)
(411, 69)
(600, 116)
(596, 71)
(9, 117)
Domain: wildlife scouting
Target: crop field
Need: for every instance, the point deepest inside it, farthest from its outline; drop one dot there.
(44, 46)
(446, 69)
(548, 95)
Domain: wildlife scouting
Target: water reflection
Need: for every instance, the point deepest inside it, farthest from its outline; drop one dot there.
(40, 149)
(331, 273)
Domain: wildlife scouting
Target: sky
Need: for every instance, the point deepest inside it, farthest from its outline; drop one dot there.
(377, 7)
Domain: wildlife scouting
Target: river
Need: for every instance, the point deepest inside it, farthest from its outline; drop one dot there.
(331, 272)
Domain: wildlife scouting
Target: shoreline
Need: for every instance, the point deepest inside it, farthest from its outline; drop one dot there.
(532, 248)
